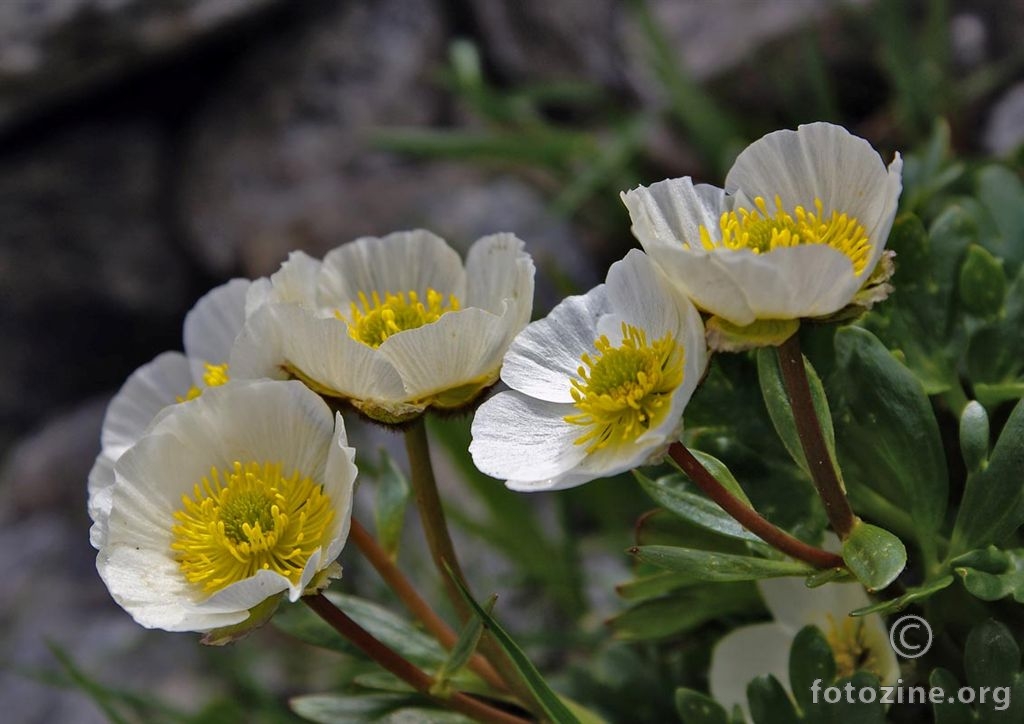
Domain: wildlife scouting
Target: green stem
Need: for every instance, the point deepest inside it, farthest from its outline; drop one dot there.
(435, 525)
(402, 667)
(747, 516)
(808, 427)
(435, 528)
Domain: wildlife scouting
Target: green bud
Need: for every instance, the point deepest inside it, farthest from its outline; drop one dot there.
(982, 282)
(974, 436)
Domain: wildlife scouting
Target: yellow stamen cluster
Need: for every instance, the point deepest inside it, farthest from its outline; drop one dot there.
(247, 519)
(372, 321)
(625, 390)
(213, 376)
(850, 647)
(761, 232)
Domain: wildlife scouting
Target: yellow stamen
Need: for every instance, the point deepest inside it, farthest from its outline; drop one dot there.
(624, 391)
(377, 320)
(850, 647)
(761, 232)
(213, 376)
(247, 519)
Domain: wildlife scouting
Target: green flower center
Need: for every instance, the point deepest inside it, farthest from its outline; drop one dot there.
(247, 519)
(624, 391)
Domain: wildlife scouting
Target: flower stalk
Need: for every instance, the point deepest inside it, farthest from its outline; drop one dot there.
(435, 528)
(747, 516)
(415, 603)
(401, 667)
(808, 426)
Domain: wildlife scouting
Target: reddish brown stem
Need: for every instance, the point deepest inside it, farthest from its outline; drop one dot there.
(412, 600)
(808, 427)
(401, 667)
(747, 516)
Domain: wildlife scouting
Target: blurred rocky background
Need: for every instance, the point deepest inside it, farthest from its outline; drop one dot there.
(151, 149)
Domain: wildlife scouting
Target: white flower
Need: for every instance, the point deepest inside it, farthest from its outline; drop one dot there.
(752, 651)
(394, 325)
(597, 387)
(240, 495)
(210, 329)
(797, 231)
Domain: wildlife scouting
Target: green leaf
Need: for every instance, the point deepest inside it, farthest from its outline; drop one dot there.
(992, 506)
(858, 712)
(340, 709)
(653, 586)
(949, 709)
(985, 578)
(769, 703)
(1001, 192)
(385, 626)
(697, 708)
(683, 610)
(874, 555)
(670, 491)
(781, 412)
(974, 436)
(663, 527)
(992, 659)
(919, 593)
(886, 415)
(982, 283)
(462, 651)
(830, 575)
(712, 566)
(549, 701)
(393, 491)
(810, 659)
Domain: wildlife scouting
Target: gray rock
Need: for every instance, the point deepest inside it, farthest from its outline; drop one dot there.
(534, 40)
(283, 153)
(47, 470)
(710, 39)
(88, 275)
(49, 48)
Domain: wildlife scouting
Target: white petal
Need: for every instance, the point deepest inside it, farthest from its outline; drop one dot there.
(339, 485)
(241, 421)
(295, 282)
(643, 296)
(802, 281)
(150, 587)
(101, 495)
(401, 262)
(794, 605)
(516, 437)
(671, 212)
(213, 323)
(320, 348)
(745, 654)
(707, 281)
(459, 348)
(499, 272)
(146, 392)
(823, 161)
(545, 356)
(256, 420)
(817, 161)
(879, 235)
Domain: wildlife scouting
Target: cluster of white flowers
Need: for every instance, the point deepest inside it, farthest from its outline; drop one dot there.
(225, 482)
